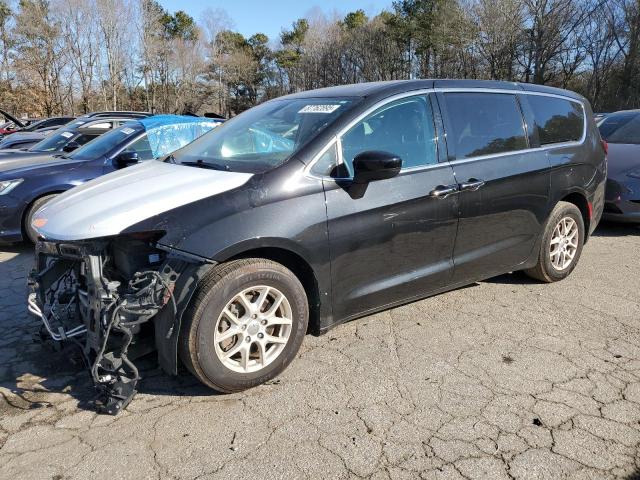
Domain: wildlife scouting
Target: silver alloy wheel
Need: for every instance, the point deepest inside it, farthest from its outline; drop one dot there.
(253, 329)
(564, 243)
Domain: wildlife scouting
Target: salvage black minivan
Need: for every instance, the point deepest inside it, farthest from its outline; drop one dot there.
(310, 210)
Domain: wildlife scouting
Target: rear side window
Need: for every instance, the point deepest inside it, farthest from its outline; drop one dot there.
(557, 120)
(484, 123)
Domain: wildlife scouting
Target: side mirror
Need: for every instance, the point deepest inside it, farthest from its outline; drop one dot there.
(71, 146)
(375, 165)
(127, 158)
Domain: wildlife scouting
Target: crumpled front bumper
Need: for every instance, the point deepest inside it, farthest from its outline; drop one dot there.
(79, 295)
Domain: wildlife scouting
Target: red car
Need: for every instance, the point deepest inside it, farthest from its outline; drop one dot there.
(11, 123)
(7, 127)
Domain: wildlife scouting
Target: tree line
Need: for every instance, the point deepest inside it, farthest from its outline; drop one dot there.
(75, 56)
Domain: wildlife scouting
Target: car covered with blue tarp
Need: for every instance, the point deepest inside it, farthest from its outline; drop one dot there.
(26, 185)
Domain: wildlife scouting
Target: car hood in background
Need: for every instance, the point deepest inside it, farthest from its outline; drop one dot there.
(25, 136)
(20, 159)
(108, 205)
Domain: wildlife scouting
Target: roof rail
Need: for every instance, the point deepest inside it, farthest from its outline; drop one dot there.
(123, 113)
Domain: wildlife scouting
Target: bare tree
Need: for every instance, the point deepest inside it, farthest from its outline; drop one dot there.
(113, 21)
(6, 40)
(499, 26)
(550, 27)
(79, 31)
(627, 35)
(213, 22)
(38, 58)
(56, 54)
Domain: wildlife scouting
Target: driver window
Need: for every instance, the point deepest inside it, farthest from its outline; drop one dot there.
(141, 147)
(403, 127)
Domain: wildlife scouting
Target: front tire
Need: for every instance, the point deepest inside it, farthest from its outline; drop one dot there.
(244, 325)
(561, 244)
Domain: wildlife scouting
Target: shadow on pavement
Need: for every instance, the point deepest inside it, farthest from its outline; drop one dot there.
(633, 476)
(515, 278)
(605, 229)
(35, 372)
(611, 229)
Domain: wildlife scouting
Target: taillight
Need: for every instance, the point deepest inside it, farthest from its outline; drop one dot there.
(605, 146)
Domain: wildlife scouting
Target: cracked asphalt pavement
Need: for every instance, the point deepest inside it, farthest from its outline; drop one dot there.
(507, 378)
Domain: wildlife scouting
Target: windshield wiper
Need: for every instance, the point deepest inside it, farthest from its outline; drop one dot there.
(210, 166)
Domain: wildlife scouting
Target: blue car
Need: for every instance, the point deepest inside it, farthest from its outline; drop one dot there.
(27, 185)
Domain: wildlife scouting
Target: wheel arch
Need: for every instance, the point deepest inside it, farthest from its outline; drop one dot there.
(28, 206)
(300, 268)
(580, 201)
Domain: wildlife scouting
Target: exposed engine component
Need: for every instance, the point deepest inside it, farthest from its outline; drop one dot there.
(103, 292)
(60, 318)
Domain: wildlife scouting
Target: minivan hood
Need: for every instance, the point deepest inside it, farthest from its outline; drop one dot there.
(108, 205)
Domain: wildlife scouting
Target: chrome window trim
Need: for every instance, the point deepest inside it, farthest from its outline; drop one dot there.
(425, 91)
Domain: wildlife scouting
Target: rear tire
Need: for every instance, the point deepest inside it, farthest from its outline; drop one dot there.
(561, 244)
(29, 231)
(236, 333)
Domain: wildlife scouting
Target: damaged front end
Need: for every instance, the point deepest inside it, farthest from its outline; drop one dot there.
(118, 298)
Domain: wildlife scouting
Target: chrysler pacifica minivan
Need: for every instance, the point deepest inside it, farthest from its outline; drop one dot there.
(310, 210)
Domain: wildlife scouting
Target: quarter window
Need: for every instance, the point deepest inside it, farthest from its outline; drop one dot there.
(326, 164)
(484, 123)
(404, 128)
(557, 120)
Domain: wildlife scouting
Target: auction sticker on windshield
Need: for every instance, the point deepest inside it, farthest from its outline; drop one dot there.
(127, 131)
(319, 108)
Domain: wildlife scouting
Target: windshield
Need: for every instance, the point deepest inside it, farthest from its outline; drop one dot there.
(33, 126)
(53, 143)
(623, 127)
(107, 142)
(264, 136)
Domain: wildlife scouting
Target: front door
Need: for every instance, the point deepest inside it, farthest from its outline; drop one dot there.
(395, 241)
(504, 184)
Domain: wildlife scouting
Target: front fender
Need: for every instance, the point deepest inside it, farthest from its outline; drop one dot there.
(167, 324)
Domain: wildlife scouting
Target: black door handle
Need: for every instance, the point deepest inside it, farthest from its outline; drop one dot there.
(443, 191)
(471, 185)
